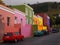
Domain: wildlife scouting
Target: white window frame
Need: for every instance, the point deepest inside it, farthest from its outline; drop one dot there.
(30, 13)
(27, 21)
(26, 11)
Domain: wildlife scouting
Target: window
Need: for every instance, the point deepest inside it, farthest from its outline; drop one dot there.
(30, 21)
(27, 20)
(30, 14)
(17, 33)
(8, 34)
(15, 20)
(8, 20)
(21, 20)
(26, 11)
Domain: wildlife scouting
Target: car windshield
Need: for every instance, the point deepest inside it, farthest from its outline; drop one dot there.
(8, 34)
(17, 33)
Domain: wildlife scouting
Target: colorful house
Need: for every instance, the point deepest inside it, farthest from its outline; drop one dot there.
(40, 23)
(46, 21)
(35, 20)
(27, 10)
(6, 20)
(35, 24)
(39, 20)
(20, 18)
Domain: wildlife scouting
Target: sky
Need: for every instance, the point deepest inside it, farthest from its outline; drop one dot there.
(18, 2)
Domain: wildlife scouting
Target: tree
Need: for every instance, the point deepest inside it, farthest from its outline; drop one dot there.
(57, 21)
(52, 19)
(1, 2)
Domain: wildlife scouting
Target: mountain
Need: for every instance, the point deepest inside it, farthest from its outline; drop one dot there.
(47, 7)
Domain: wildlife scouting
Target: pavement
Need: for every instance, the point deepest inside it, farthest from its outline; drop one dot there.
(51, 39)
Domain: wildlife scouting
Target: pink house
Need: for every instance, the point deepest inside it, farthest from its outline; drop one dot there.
(21, 19)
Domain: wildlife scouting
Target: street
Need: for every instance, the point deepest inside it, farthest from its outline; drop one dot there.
(51, 39)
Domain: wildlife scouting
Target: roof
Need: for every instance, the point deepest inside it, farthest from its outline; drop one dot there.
(6, 9)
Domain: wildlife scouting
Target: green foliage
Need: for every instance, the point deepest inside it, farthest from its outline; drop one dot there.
(19, 7)
(45, 7)
(57, 21)
(40, 8)
(52, 20)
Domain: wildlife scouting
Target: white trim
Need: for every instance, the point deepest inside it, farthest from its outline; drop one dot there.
(26, 11)
(35, 16)
(6, 9)
(28, 6)
(30, 13)
(48, 17)
(19, 12)
(39, 16)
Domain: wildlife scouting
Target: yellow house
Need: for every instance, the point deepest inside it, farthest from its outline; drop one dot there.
(40, 20)
(37, 20)
(40, 24)
(44, 27)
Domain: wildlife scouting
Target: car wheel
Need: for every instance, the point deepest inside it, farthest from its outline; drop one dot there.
(4, 41)
(15, 40)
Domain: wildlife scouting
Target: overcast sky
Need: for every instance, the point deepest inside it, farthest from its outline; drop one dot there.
(16, 2)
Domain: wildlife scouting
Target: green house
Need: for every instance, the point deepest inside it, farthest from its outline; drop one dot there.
(27, 10)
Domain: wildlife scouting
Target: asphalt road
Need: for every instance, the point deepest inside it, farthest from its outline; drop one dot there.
(52, 39)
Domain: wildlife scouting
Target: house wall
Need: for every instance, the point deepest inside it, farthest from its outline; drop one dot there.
(35, 19)
(25, 28)
(26, 31)
(40, 20)
(29, 14)
(6, 14)
(45, 20)
(20, 15)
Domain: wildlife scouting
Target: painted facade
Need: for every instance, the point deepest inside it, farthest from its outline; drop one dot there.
(6, 20)
(35, 20)
(8, 17)
(46, 21)
(21, 19)
(44, 27)
(26, 30)
(40, 20)
(27, 10)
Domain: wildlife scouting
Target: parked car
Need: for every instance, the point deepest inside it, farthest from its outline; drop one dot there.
(13, 36)
(38, 33)
(45, 32)
(54, 30)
